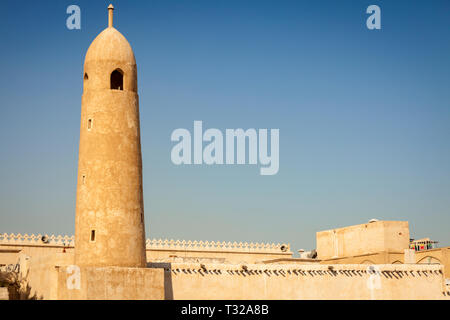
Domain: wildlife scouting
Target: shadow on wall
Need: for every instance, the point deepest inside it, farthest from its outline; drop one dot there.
(168, 288)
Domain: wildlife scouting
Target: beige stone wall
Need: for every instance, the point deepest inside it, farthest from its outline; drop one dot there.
(153, 255)
(47, 279)
(219, 256)
(276, 275)
(441, 255)
(8, 256)
(157, 249)
(114, 283)
(371, 258)
(32, 251)
(363, 239)
(291, 261)
(434, 256)
(221, 281)
(42, 275)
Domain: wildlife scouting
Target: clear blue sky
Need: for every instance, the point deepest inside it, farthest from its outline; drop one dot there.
(364, 116)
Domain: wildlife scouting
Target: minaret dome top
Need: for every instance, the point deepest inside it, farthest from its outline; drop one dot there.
(110, 45)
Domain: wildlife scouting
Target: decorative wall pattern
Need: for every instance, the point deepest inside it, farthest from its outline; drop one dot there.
(151, 244)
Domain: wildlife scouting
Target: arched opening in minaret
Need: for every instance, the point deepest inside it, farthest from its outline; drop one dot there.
(117, 80)
(86, 76)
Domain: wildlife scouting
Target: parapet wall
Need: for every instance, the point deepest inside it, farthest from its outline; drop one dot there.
(156, 249)
(297, 282)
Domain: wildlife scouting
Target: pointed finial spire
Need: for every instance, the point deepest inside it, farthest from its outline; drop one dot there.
(110, 15)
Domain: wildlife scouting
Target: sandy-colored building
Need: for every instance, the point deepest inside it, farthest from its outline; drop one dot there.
(48, 271)
(373, 237)
(376, 242)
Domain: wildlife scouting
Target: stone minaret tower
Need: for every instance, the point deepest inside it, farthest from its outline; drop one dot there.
(109, 224)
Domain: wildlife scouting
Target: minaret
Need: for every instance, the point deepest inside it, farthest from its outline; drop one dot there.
(109, 223)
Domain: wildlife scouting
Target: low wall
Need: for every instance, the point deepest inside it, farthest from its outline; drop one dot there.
(42, 275)
(370, 258)
(113, 283)
(54, 277)
(50, 278)
(432, 256)
(438, 255)
(297, 282)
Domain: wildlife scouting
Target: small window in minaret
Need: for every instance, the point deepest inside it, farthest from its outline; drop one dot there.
(117, 80)
(89, 124)
(92, 235)
(86, 76)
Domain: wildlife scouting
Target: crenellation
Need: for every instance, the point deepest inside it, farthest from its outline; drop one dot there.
(37, 240)
(151, 244)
